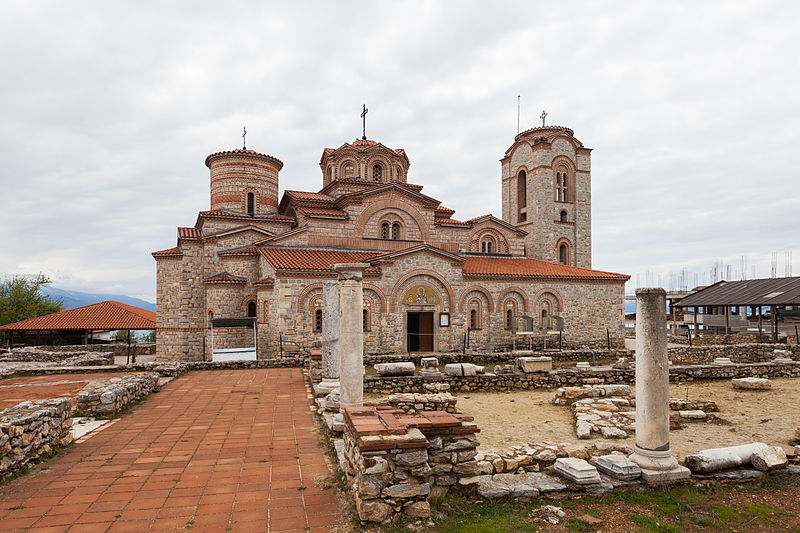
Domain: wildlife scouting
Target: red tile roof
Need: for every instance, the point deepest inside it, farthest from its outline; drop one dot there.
(169, 251)
(247, 250)
(245, 153)
(103, 316)
(531, 268)
(305, 195)
(444, 212)
(450, 221)
(225, 277)
(189, 233)
(310, 211)
(232, 214)
(313, 259)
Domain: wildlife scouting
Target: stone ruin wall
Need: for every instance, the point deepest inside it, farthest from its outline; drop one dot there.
(31, 430)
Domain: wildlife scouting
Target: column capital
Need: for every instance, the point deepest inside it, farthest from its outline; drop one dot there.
(353, 271)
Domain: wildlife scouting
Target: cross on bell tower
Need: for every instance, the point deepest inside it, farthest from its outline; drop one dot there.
(364, 122)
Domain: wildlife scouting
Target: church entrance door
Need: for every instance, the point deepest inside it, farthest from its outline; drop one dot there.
(419, 333)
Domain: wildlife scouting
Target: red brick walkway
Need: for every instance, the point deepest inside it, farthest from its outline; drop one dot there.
(20, 389)
(213, 451)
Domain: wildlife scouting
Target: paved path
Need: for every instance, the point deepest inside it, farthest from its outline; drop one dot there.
(213, 451)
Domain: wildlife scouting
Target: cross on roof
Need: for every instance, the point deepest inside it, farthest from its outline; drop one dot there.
(244, 141)
(544, 116)
(364, 122)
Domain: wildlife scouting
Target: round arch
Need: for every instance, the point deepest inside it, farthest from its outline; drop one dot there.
(499, 239)
(379, 293)
(389, 203)
(311, 287)
(476, 288)
(513, 290)
(554, 293)
(421, 272)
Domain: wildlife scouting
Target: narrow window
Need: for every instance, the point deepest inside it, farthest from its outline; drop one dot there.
(385, 231)
(251, 204)
(522, 192)
(509, 318)
(559, 187)
(545, 320)
(365, 320)
(563, 216)
(473, 318)
(349, 170)
(251, 309)
(563, 254)
(396, 231)
(377, 173)
(330, 173)
(318, 320)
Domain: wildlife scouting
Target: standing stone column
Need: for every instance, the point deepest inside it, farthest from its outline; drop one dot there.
(652, 451)
(330, 339)
(351, 334)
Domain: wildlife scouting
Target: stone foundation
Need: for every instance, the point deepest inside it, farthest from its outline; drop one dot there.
(412, 402)
(32, 429)
(110, 396)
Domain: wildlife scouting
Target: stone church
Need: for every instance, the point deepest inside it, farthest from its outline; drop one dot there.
(434, 282)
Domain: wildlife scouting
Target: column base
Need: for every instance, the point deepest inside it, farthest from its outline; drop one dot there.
(659, 466)
(325, 387)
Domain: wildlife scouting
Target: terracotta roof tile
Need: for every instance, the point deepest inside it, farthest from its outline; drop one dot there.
(103, 316)
(311, 211)
(451, 221)
(279, 236)
(233, 214)
(225, 277)
(245, 250)
(305, 195)
(531, 268)
(189, 233)
(313, 259)
(244, 152)
(264, 281)
(176, 251)
(444, 212)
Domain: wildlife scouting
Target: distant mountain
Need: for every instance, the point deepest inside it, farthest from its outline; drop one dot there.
(73, 299)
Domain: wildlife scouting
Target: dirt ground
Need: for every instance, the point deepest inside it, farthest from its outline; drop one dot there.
(509, 418)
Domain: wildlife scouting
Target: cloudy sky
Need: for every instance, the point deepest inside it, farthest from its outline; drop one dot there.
(108, 110)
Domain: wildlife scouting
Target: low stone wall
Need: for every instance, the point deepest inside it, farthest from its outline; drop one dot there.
(737, 353)
(572, 377)
(413, 402)
(141, 348)
(110, 396)
(77, 357)
(395, 462)
(32, 429)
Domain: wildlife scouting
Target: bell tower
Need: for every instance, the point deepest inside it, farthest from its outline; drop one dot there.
(546, 185)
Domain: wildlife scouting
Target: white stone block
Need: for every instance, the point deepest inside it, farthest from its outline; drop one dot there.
(535, 364)
(751, 383)
(405, 368)
(460, 369)
(618, 467)
(722, 361)
(769, 458)
(576, 470)
(693, 414)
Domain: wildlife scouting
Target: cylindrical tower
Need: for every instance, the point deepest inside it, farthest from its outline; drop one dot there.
(244, 181)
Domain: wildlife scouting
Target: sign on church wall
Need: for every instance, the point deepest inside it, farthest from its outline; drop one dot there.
(420, 295)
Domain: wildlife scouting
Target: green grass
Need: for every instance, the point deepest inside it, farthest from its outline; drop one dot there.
(652, 525)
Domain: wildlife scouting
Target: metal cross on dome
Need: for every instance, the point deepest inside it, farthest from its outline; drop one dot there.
(364, 122)
(244, 141)
(544, 116)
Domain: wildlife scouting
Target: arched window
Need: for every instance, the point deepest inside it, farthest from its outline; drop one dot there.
(251, 204)
(475, 314)
(563, 253)
(330, 173)
(473, 318)
(365, 319)
(396, 231)
(563, 216)
(509, 318)
(563, 186)
(349, 170)
(251, 309)
(318, 320)
(522, 196)
(487, 245)
(377, 173)
(385, 231)
(545, 319)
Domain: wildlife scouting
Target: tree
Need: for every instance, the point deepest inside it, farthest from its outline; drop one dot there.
(21, 298)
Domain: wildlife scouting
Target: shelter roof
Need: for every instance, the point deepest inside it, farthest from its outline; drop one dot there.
(769, 291)
(100, 316)
(531, 268)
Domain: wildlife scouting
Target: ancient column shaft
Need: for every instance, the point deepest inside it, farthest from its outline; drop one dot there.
(351, 334)
(330, 331)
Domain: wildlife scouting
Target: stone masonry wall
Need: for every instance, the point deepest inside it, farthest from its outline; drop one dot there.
(110, 396)
(142, 348)
(32, 429)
